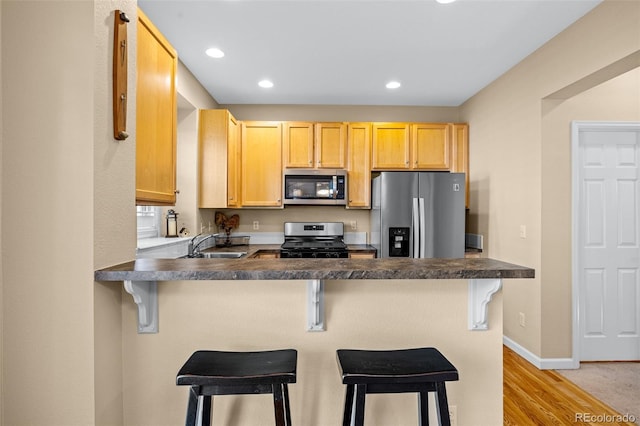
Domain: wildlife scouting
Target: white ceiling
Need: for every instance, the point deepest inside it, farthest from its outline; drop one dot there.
(331, 52)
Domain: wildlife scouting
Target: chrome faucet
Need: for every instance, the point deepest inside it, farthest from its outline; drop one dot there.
(193, 247)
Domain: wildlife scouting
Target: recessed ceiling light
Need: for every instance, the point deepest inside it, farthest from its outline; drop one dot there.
(445, 1)
(214, 52)
(265, 83)
(393, 85)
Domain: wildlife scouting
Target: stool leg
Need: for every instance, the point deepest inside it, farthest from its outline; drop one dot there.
(442, 405)
(361, 391)
(287, 406)
(423, 408)
(207, 400)
(348, 406)
(278, 404)
(192, 407)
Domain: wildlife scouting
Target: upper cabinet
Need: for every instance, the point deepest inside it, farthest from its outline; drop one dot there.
(430, 146)
(261, 163)
(156, 111)
(297, 144)
(359, 165)
(411, 146)
(390, 146)
(460, 152)
(314, 145)
(331, 145)
(218, 159)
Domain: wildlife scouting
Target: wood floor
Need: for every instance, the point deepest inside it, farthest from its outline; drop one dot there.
(544, 397)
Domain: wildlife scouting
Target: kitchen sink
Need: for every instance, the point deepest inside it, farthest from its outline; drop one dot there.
(222, 254)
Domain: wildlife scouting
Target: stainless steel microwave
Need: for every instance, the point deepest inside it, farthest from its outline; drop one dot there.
(322, 187)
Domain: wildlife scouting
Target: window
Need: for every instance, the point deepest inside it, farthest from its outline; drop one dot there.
(148, 221)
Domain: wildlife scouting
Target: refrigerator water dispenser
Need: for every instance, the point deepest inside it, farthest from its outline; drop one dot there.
(399, 242)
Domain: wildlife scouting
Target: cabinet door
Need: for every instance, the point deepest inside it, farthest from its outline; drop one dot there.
(331, 143)
(156, 111)
(261, 164)
(213, 135)
(430, 146)
(460, 152)
(359, 165)
(297, 144)
(390, 146)
(234, 162)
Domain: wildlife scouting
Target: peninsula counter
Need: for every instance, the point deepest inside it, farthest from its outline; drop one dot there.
(254, 304)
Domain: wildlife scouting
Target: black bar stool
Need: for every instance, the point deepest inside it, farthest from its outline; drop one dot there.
(420, 370)
(212, 373)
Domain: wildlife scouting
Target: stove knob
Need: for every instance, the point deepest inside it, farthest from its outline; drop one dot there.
(314, 254)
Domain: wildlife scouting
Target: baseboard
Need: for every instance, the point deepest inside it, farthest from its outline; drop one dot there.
(540, 363)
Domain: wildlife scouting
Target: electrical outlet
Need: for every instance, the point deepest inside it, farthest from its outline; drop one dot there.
(522, 319)
(453, 415)
(354, 225)
(256, 225)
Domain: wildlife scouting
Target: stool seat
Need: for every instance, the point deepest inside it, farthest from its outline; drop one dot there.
(212, 373)
(419, 370)
(395, 366)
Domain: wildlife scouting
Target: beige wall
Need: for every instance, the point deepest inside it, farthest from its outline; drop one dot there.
(343, 113)
(47, 212)
(520, 170)
(255, 315)
(615, 100)
(114, 227)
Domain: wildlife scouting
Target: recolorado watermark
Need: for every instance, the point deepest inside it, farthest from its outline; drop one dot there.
(604, 418)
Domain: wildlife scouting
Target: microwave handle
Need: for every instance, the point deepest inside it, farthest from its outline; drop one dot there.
(335, 187)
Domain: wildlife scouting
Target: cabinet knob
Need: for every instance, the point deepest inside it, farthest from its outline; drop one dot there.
(177, 191)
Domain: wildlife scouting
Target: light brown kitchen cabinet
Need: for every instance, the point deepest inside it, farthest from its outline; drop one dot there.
(330, 145)
(234, 164)
(411, 146)
(297, 144)
(261, 148)
(359, 165)
(390, 146)
(430, 146)
(460, 152)
(156, 111)
(218, 159)
(314, 145)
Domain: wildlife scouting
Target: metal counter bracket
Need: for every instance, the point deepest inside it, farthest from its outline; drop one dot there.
(480, 294)
(145, 295)
(315, 305)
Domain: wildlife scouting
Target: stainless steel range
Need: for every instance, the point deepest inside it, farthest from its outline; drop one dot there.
(314, 239)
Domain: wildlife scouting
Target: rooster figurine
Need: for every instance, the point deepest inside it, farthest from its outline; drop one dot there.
(227, 224)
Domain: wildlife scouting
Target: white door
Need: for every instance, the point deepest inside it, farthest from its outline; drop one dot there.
(607, 214)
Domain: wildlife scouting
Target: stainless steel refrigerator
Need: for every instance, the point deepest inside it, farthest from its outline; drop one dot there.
(418, 214)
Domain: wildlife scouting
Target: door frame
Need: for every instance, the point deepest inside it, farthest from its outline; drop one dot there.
(576, 128)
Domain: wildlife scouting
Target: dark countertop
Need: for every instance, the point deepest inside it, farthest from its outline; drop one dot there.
(309, 269)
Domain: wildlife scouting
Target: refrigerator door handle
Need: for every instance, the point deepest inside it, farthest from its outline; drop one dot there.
(423, 229)
(415, 228)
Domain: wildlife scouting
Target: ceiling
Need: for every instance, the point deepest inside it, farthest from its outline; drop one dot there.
(331, 52)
